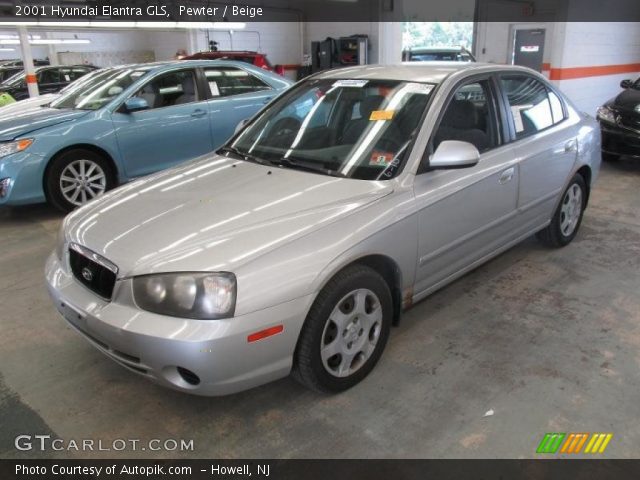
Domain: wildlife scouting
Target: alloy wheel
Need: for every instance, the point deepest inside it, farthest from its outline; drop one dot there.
(570, 209)
(81, 181)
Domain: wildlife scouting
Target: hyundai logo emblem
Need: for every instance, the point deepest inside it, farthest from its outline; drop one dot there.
(87, 274)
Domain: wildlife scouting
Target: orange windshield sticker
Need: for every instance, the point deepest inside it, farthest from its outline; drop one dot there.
(381, 115)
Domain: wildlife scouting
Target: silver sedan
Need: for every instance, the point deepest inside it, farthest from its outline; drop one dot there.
(295, 247)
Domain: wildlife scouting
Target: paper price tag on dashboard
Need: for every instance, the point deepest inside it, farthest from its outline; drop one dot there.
(381, 115)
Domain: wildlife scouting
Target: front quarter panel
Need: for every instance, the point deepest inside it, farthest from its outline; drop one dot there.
(386, 227)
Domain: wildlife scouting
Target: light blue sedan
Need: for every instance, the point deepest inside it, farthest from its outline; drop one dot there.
(126, 122)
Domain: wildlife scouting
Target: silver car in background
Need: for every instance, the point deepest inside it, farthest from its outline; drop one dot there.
(296, 246)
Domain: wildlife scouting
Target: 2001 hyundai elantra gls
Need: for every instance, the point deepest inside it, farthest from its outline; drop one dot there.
(296, 246)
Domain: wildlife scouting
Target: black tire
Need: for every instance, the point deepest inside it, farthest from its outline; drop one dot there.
(308, 367)
(610, 157)
(52, 181)
(553, 235)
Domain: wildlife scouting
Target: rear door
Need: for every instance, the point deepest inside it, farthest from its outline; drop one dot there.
(235, 95)
(545, 145)
(175, 128)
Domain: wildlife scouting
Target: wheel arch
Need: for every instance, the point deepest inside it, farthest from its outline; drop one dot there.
(387, 268)
(587, 174)
(77, 146)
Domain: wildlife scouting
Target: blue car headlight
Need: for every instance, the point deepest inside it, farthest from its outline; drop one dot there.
(202, 296)
(7, 148)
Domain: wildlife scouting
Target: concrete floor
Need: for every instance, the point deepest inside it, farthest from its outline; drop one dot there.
(548, 339)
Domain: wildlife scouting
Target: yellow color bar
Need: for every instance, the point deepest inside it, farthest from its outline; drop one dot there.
(591, 442)
(606, 441)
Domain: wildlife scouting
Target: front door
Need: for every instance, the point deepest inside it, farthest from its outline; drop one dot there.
(236, 95)
(173, 129)
(528, 48)
(465, 214)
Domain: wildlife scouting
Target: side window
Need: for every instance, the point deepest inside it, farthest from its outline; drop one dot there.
(556, 108)
(469, 117)
(529, 103)
(228, 81)
(173, 88)
(66, 75)
(49, 76)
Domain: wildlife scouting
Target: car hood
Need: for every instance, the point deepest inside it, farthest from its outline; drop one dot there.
(213, 214)
(14, 124)
(628, 100)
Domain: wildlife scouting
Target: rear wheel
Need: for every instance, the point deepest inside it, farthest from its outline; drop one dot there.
(568, 216)
(345, 332)
(77, 176)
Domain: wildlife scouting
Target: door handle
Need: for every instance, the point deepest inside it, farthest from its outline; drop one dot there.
(198, 113)
(506, 176)
(570, 146)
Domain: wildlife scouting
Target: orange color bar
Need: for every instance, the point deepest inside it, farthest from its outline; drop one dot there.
(546, 67)
(32, 79)
(597, 71)
(581, 443)
(570, 439)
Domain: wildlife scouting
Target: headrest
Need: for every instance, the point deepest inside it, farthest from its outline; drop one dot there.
(369, 104)
(460, 114)
(188, 86)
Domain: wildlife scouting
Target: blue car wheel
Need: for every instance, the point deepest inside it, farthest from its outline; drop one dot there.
(76, 177)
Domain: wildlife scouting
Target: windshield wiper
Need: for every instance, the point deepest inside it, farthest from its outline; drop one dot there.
(308, 166)
(246, 156)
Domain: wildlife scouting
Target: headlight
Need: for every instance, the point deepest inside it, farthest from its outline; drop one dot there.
(606, 114)
(7, 148)
(203, 296)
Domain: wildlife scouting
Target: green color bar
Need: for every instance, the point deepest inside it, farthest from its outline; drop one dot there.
(550, 443)
(558, 442)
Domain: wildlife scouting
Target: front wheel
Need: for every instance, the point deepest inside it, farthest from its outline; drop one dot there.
(568, 216)
(345, 332)
(76, 177)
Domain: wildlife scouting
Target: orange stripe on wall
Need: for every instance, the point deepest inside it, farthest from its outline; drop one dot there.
(31, 79)
(584, 72)
(546, 67)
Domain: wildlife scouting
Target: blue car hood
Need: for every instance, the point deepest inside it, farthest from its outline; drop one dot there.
(14, 124)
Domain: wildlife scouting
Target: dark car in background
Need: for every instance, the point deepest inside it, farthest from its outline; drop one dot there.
(18, 63)
(50, 80)
(437, 54)
(620, 123)
(8, 72)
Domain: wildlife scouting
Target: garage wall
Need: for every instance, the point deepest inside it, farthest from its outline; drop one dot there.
(589, 59)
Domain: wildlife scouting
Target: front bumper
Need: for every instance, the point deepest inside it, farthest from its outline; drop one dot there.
(620, 141)
(25, 172)
(154, 346)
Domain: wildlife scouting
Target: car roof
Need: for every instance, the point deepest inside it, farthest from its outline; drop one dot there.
(167, 64)
(436, 49)
(427, 72)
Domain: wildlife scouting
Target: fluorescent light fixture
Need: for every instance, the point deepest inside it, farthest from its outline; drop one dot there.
(5, 49)
(47, 41)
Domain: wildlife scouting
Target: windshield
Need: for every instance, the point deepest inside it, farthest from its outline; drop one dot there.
(98, 90)
(15, 80)
(359, 129)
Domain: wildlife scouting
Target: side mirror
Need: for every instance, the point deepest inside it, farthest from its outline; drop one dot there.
(626, 83)
(135, 104)
(240, 125)
(454, 154)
